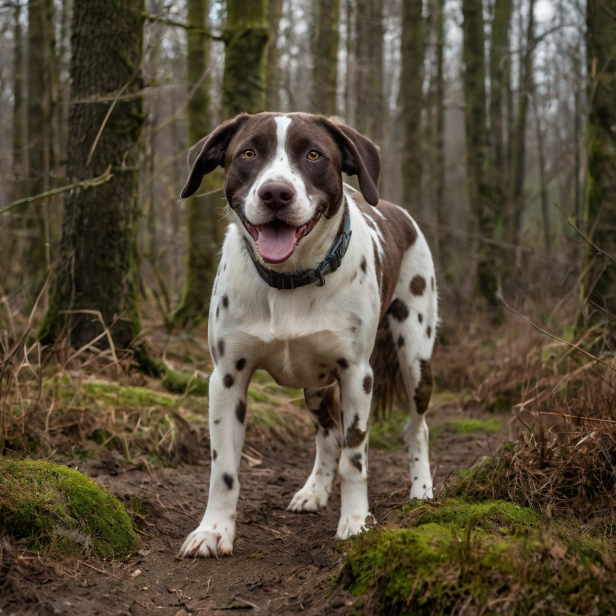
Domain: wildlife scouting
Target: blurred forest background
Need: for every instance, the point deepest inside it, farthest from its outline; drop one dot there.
(496, 122)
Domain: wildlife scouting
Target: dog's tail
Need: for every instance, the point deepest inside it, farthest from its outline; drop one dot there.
(388, 390)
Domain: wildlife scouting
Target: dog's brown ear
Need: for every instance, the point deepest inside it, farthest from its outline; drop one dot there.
(209, 153)
(359, 157)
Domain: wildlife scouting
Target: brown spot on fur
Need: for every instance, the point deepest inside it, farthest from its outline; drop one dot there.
(368, 384)
(225, 301)
(432, 283)
(342, 362)
(418, 285)
(424, 387)
(429, 331)
(325, 412)
(356, 461)
(420, 317)
(240, 411)
(398, 310)
(363, 264)
(354, 436)
(214, 454)
(228, 480)
(400, 342)
(240, 364)
(217, 421)
(221, 347)
(321, 376)
(228, 381)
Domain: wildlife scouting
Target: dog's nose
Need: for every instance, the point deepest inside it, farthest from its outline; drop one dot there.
(276, 195)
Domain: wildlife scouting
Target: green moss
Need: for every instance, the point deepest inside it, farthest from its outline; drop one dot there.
(455, 552)
(59, 509)
(469, 426)
(387, 432)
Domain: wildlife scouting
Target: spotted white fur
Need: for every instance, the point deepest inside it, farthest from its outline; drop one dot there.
(299, 337)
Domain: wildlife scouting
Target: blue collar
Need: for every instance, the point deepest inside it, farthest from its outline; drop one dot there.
(330, 264)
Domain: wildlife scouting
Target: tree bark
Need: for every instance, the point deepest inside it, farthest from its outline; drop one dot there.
(203, 212)
(600, 212)
(98, 269)
(325, 56)
(18, 107)
(272, 96)
(499, 68)
(519, 136)
(41, 44)
(477, 150)
(411, 101)
(543, 181)
(369, 92)
(438, 167)
(246, 36)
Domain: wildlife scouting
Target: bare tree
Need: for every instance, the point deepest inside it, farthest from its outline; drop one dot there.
(325, 56)
(96, 278)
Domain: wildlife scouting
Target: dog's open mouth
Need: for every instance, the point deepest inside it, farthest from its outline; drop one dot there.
(276, 241)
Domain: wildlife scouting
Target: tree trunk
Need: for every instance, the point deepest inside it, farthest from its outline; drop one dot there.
(438, 167)
(98, 269)
(272, 95)
(411, 101)
(41, 44)
(477, 149)
(543, 181)
(246, 35)
(325, 56)
(370, 113)
(600, 215)
(203, 212)
(519, 135)
(18, 107)
(499, 68)
(351, 52)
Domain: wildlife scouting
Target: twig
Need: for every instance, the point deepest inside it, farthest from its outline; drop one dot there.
(608, 11)
(584, 237)
(179, 24)
(101, 179)
(499, 297)
(109, 112)
(576, 417)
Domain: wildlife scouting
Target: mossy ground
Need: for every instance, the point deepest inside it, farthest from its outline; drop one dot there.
(387, 432)
(493, 557)
(87, 417)
(60, 510)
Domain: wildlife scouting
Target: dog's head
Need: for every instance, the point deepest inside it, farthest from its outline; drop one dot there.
(283, 175)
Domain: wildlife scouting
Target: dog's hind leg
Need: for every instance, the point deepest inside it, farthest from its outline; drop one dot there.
(324, 409)
(412, 321)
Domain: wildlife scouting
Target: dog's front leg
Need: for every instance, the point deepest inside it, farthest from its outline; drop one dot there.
(355, 398)
(215, 534)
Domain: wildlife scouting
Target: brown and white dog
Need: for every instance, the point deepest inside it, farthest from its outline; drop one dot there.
(289, 208)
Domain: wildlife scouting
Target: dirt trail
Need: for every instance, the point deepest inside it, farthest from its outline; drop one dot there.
(282, 564)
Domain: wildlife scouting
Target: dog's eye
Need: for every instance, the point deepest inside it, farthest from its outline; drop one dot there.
(312, 155)
(249, 154)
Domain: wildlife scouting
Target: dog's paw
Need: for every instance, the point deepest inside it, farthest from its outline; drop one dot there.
(308, 500)
(208, 541)
(354, 524)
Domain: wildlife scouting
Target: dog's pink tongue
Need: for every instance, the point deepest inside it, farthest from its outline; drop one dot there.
(276, 242)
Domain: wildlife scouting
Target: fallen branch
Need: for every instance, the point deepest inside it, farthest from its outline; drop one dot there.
(101, 179)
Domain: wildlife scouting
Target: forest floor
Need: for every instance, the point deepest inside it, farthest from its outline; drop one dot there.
(283, 563)
(151, 450)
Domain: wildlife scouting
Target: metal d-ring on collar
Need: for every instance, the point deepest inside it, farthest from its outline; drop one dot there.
(288, 282)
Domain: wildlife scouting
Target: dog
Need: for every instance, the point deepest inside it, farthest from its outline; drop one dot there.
(328, 289)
